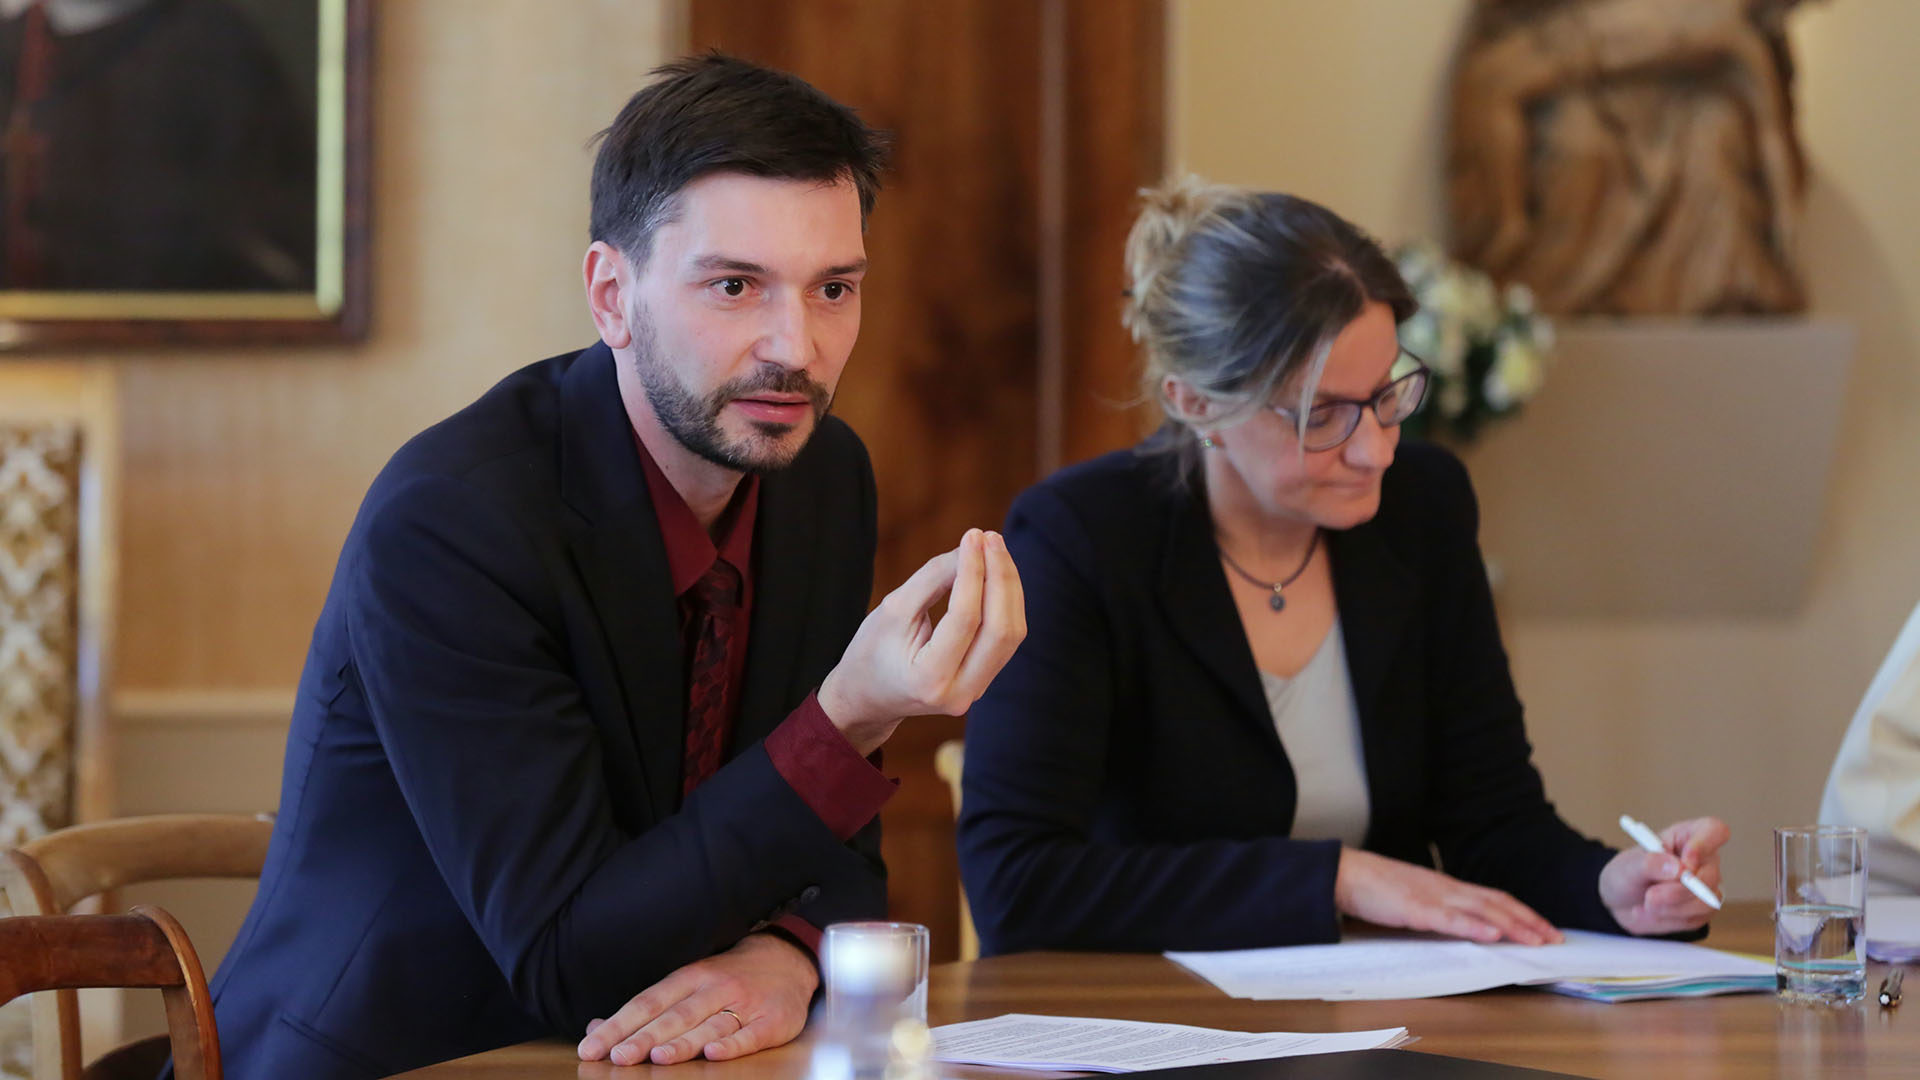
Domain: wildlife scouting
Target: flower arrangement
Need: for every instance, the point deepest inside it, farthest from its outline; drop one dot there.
(1488, 349)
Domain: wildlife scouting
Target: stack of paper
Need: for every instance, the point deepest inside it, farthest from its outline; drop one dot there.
(1893, 929)
(1615, 990)
(1614, 969)
(1064, 1043)
(1604, 967)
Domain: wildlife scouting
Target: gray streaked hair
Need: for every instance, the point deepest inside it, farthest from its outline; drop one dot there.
(1237, 291)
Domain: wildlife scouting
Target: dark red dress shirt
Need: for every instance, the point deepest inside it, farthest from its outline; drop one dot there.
(823, 768)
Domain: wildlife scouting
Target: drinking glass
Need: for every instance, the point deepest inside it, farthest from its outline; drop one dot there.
(876, 965)
(1820, 913)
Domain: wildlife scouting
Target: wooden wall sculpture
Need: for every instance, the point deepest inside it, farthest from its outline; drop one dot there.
(1629, 157)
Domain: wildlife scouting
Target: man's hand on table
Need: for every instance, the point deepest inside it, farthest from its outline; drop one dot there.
(751, 997)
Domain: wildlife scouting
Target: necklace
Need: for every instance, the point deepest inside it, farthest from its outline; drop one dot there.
(1277, 602)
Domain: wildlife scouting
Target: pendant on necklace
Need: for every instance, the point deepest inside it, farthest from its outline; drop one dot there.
(1276, 601)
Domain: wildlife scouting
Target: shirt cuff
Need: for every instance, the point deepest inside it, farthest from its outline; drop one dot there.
(800, 932)
(824, 769)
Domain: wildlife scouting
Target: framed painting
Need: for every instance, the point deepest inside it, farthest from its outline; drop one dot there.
(182, 171)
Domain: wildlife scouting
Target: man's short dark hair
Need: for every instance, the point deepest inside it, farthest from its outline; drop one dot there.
(716, 113)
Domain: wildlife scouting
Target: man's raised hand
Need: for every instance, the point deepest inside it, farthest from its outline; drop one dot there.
(901, 663)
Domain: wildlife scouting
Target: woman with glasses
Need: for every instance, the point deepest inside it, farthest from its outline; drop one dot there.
(1262, 687)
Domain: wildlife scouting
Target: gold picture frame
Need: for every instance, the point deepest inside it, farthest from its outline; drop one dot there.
(313, 288)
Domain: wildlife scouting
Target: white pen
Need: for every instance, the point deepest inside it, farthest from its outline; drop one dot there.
(1645, 838)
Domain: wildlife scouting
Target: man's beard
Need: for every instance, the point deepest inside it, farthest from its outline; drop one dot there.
(694, 422)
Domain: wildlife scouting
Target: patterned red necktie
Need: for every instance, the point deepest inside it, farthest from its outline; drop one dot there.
(709, 613)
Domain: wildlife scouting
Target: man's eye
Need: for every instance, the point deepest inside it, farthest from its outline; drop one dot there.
(835, 290)
(732, 286)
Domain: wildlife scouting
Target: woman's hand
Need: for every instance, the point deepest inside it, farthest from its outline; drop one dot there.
(1394, 893)
(1643, 890)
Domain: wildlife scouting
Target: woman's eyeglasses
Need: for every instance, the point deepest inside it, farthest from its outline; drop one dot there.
(1333, 421)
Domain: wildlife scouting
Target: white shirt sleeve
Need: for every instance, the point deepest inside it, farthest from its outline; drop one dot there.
(1876, 776)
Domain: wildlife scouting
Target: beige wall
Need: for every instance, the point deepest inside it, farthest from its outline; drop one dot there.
(242, 469)
(1341, 102)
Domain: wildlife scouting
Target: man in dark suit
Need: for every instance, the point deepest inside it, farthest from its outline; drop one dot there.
(558, 753)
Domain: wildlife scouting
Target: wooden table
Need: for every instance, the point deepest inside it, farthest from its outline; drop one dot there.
(1725, 1038)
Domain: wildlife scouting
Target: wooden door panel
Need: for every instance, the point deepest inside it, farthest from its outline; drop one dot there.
(990, 347)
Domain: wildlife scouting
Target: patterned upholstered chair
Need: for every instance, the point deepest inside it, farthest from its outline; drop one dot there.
(58, 460)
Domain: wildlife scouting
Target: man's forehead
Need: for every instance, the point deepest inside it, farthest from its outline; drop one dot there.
(718, 262)
(748, 224)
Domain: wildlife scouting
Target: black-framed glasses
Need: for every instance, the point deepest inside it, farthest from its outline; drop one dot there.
(1334, 420)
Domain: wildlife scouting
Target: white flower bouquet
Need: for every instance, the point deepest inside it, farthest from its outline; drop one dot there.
(1488, 349)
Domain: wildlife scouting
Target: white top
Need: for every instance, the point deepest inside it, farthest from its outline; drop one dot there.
(1319, 725)
(1876, 776)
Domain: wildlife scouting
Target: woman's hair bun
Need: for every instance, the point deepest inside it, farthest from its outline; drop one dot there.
(1170, 212)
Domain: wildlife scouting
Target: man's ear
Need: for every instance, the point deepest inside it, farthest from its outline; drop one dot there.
(609, 278)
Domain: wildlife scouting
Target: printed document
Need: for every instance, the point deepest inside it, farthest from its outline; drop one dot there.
(1065, 1043)
(1378, 968)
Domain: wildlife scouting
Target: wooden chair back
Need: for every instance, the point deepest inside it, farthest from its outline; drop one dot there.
(86, 860)
(948, 760)
(143, 948)
(48, 875)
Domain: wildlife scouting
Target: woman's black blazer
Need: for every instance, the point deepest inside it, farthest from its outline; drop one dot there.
(1125, 788)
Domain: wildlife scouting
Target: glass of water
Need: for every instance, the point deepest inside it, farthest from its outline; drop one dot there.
(876, 1015)
(876, 964)
(1820, 913)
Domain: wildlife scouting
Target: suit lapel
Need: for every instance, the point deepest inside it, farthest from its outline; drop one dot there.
(1376, 594)
(1199, 607)
(624, 562)
(784, 536)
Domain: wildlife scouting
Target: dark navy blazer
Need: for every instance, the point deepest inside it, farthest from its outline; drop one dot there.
(481, 837)
(1125, 787)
